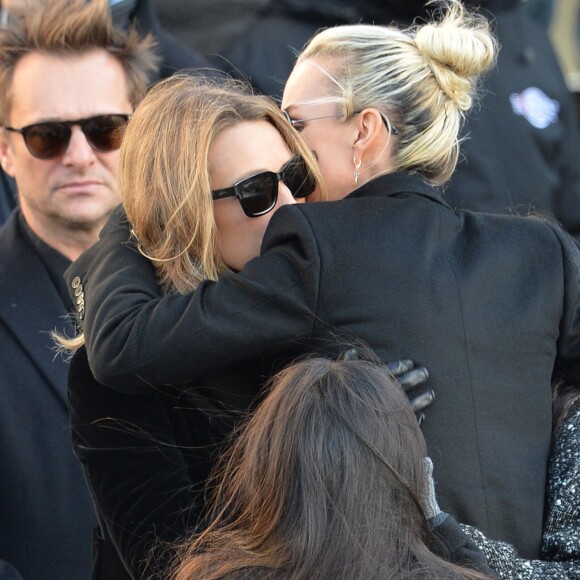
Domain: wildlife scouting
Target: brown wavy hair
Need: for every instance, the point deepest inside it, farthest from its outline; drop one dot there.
(323, 482)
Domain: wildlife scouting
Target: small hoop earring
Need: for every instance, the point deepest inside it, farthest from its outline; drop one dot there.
(356, 169)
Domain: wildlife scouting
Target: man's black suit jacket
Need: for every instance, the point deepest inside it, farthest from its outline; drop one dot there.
(46, 514)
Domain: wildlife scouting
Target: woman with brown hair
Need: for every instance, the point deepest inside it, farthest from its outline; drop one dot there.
(327, 480)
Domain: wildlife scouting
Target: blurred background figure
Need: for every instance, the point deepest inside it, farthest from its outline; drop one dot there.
(208, 26)
(541, 11)
(174, 54)
(522, 142)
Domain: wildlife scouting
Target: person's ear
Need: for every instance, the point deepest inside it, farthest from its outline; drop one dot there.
(370, 131)
(6, 154)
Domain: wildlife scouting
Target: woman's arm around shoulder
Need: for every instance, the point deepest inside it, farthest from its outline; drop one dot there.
(135, 337)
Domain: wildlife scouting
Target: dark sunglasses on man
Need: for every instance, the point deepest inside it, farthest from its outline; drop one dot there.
(50, 139)
(258, 193)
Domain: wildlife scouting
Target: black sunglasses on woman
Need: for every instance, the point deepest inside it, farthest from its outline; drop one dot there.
(258, 193)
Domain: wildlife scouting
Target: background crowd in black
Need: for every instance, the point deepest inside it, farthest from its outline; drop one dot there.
(522, 141)
(512, 163)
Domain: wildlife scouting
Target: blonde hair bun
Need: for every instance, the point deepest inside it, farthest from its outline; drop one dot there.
(458, 49)
(423, 78)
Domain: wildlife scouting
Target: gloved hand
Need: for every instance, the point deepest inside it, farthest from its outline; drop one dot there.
(410, 378)
(428, 497)
(449, 541)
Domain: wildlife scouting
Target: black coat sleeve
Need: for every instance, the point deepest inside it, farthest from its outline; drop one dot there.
(451, 543)
(138, 470)
(134, 337)
(568, 359)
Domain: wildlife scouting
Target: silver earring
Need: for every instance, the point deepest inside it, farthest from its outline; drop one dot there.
(356, 169)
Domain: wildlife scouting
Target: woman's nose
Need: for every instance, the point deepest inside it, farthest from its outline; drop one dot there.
(284, 195)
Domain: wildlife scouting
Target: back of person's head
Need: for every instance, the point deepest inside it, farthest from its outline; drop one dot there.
(323, 482)
(67, 29)
(164, 172)
(422, 79)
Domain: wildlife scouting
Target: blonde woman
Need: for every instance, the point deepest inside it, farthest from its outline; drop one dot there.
(487, 303)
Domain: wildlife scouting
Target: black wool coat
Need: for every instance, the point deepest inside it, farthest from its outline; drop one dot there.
(147, 459)
(489, 304)
(46, 513)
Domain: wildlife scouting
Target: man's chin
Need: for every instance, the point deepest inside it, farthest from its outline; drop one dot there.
(86, 221)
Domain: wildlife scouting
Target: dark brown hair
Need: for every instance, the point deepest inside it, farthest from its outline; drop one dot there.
(323, 482)
(70, 28)
(565, 400)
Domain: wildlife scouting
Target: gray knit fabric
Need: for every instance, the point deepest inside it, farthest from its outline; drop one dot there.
(561, 540)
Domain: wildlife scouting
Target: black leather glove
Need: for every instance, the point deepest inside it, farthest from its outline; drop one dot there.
(412, 380)
(450, 542)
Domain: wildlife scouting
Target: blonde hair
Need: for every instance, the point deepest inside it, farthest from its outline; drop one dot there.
(422, 80)
(164, 174)
(70, 28)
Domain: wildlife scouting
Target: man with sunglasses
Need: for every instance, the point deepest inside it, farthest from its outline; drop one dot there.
(69, 82)
(173, 54)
